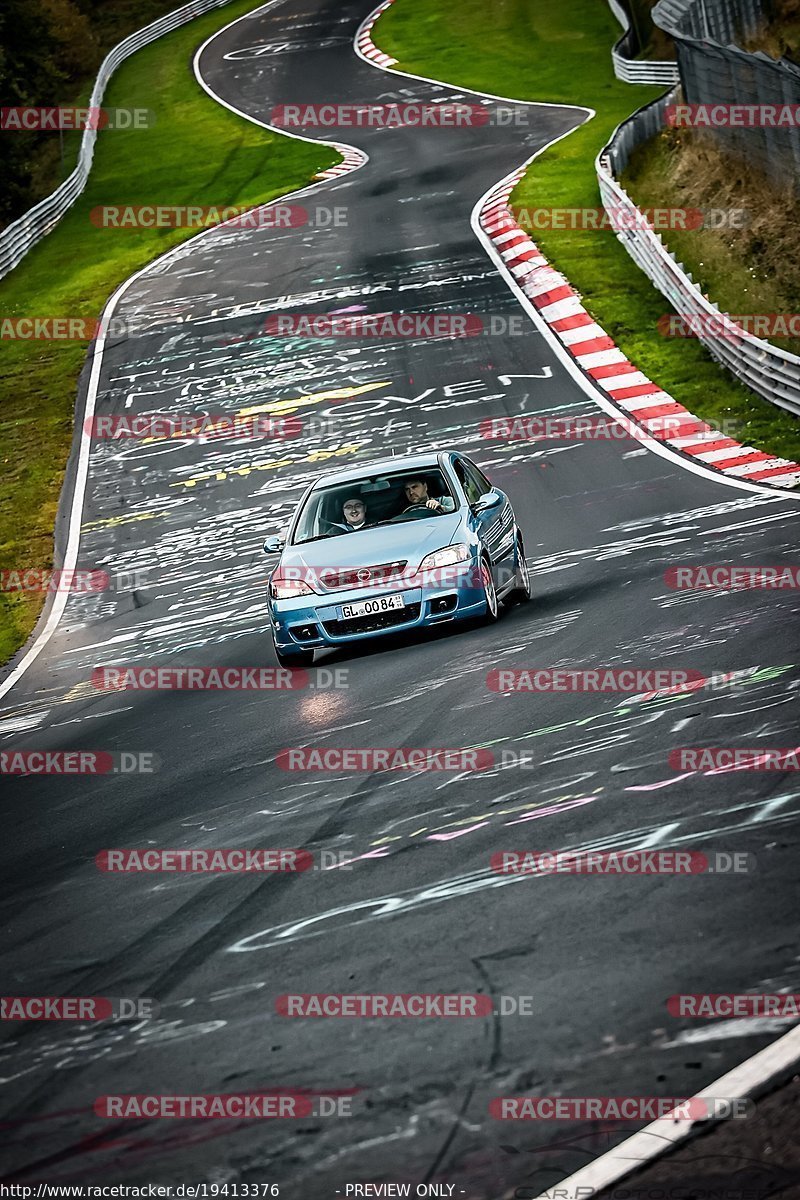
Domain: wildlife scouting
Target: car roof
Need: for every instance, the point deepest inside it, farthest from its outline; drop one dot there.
(377, 466)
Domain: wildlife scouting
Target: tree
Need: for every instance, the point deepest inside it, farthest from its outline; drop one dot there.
(46, 46)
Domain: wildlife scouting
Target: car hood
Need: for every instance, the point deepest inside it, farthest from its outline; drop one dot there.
(410, 540)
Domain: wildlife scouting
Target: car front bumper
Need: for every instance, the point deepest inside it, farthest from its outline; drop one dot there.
(316, 621)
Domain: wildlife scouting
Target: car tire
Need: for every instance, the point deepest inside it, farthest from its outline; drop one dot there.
(490, 593)
(522, 592)
(294, 658)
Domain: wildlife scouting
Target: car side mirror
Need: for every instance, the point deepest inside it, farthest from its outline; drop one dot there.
(487, 500)
(275, 543)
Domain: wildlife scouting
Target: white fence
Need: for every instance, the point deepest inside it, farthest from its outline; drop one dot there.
(19, 237)
(631, 70)
(771, 372)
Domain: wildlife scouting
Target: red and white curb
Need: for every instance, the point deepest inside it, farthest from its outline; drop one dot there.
(642, 401)
(352, 160)
(364, 39)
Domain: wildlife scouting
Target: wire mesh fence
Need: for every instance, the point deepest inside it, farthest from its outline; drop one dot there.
(716, 73)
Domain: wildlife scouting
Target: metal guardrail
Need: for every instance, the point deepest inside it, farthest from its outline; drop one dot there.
(631, 70)
(721, 21)
(715, 71)
(20, 236)
(771, 372)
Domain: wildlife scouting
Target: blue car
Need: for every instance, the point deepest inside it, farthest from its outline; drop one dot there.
(392, 545)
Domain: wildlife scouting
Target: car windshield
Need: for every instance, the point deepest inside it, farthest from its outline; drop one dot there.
(347, 508)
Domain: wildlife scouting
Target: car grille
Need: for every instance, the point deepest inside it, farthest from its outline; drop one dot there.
(347, 577)
(374, 622)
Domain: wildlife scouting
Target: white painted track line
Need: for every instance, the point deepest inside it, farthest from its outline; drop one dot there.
(660, 1136)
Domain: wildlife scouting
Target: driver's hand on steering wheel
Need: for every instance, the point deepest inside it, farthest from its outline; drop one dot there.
(434, 504)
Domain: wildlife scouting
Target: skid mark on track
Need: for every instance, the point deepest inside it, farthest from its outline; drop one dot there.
(457, 887)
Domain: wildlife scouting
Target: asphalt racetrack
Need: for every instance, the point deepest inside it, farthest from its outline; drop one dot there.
(417, 907)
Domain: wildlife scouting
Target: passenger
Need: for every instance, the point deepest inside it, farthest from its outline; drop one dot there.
(354, 512)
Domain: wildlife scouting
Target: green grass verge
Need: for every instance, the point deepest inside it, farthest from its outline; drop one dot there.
(196, 152)
(561, 53)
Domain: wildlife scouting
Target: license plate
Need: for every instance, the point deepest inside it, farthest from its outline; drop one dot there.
(368, 608)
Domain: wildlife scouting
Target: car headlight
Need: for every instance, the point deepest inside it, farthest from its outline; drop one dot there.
(446, 557)
(281, 588)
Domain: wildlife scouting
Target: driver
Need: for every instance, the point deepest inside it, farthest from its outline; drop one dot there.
(416, 491)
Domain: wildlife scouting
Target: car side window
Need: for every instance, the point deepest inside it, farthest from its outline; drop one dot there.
(478, 475)
(472, 489)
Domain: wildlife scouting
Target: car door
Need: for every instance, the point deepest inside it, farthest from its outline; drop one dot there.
(493, 524)
(483, 522)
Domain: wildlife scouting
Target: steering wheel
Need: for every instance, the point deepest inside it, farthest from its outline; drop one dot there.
(415, 511)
